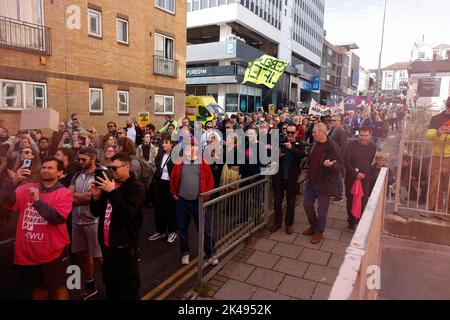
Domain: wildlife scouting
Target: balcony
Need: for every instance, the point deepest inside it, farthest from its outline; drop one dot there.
(25, 36)
(165, 67)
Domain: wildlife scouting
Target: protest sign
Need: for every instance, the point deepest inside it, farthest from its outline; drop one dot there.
(265, 70)
(39, 119)
(143, 119)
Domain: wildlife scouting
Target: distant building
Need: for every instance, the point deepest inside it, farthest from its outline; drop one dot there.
(441, 52)
(422, 51)
(430, 80)
(364, 81)
(340, 71)
(395, 78)
(223, 36)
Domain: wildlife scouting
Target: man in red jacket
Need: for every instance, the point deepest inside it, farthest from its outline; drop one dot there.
(190, 177)
(41, 246)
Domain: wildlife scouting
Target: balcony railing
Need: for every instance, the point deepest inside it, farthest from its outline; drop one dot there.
(165, 67)
(25, 36)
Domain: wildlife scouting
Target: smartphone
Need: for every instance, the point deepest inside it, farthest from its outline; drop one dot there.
(99, 173)
(26, 163)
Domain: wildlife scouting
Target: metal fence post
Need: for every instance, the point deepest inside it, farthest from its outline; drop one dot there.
(201, 238)
(399, 169)
(266, 200)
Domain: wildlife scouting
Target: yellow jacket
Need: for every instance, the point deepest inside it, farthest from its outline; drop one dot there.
(439, 149)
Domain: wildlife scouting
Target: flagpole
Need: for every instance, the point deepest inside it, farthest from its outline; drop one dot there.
(379, 86)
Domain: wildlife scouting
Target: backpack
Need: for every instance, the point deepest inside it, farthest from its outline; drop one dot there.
(146, 173)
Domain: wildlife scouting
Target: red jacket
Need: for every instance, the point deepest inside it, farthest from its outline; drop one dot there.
(206, 177)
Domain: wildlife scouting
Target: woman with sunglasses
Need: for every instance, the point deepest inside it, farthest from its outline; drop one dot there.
(29, 158)
(165, 206)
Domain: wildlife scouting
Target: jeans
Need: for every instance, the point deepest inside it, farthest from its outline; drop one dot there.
(309, 197)
(184, 211)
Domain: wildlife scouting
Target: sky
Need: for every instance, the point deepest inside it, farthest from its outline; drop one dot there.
(407, 21)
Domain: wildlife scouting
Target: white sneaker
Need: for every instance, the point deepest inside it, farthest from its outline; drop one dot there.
(172, 237)
(156, 236)
(213, 261)
(185, 259)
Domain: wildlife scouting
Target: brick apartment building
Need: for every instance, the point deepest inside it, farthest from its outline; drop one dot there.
(124, 57)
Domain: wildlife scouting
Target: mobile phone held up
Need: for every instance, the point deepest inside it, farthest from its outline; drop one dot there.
(26, 164)
(99, 173)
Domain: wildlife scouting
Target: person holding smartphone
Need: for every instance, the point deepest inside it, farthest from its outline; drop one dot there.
(29, 159)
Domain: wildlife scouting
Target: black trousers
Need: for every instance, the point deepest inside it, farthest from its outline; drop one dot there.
(121, 273)
(280, 188)
(348, 194)
(165, 208)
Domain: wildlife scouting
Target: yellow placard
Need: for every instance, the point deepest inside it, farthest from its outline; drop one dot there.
(143, 119)
(271, 109)
(265, 70)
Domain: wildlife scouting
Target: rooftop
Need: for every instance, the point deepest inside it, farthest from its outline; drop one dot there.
(348, 46)
(429, 66)
(442, 46)
(397, 66)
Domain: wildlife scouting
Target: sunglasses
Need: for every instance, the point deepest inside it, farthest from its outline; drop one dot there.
(111, 126)
(291, 133)
(82, 159)
(121, 132)
(114, 169)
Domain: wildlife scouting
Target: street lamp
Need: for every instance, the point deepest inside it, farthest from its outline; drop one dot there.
(379, 86)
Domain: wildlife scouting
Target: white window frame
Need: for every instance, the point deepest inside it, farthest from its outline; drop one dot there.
(164, 99)
(23, 97)
(118, 20)
(101, 100)
(164, 7)
(118, 102)
(165, 49)
(99, 15)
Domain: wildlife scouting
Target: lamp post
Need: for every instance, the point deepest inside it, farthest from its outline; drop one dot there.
(379, 85)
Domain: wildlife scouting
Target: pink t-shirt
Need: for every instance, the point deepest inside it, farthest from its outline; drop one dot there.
(108, 220)
(37, 241)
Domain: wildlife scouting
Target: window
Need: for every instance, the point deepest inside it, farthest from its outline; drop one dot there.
(168, 5)
(21, 95)
(163, 46)
(95, 23)
(122, 31)
(164, 104)
(421, 55)
(95, 100)
(123, 105)
(23, 10)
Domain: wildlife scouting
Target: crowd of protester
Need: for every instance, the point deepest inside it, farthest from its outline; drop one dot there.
(82, 192)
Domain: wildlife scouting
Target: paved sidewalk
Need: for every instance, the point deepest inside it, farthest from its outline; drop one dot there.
(279, 266)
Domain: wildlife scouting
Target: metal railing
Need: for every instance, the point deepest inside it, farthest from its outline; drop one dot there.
(423, 170)
(231, 214)
(364, 250)
(165, 67)
(25, 36)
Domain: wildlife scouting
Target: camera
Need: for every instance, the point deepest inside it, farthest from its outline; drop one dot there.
(99, 173)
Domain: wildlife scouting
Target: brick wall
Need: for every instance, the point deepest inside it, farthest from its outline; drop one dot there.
(79, 61)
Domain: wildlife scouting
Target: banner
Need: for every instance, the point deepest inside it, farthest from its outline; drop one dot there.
(265, 70)
(351, 103)
(338, 109)
(317, 110)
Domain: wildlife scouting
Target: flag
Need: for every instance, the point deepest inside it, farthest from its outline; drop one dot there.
(265, 70)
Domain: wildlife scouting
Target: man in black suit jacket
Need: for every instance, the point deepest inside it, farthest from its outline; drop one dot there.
(285, 181)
